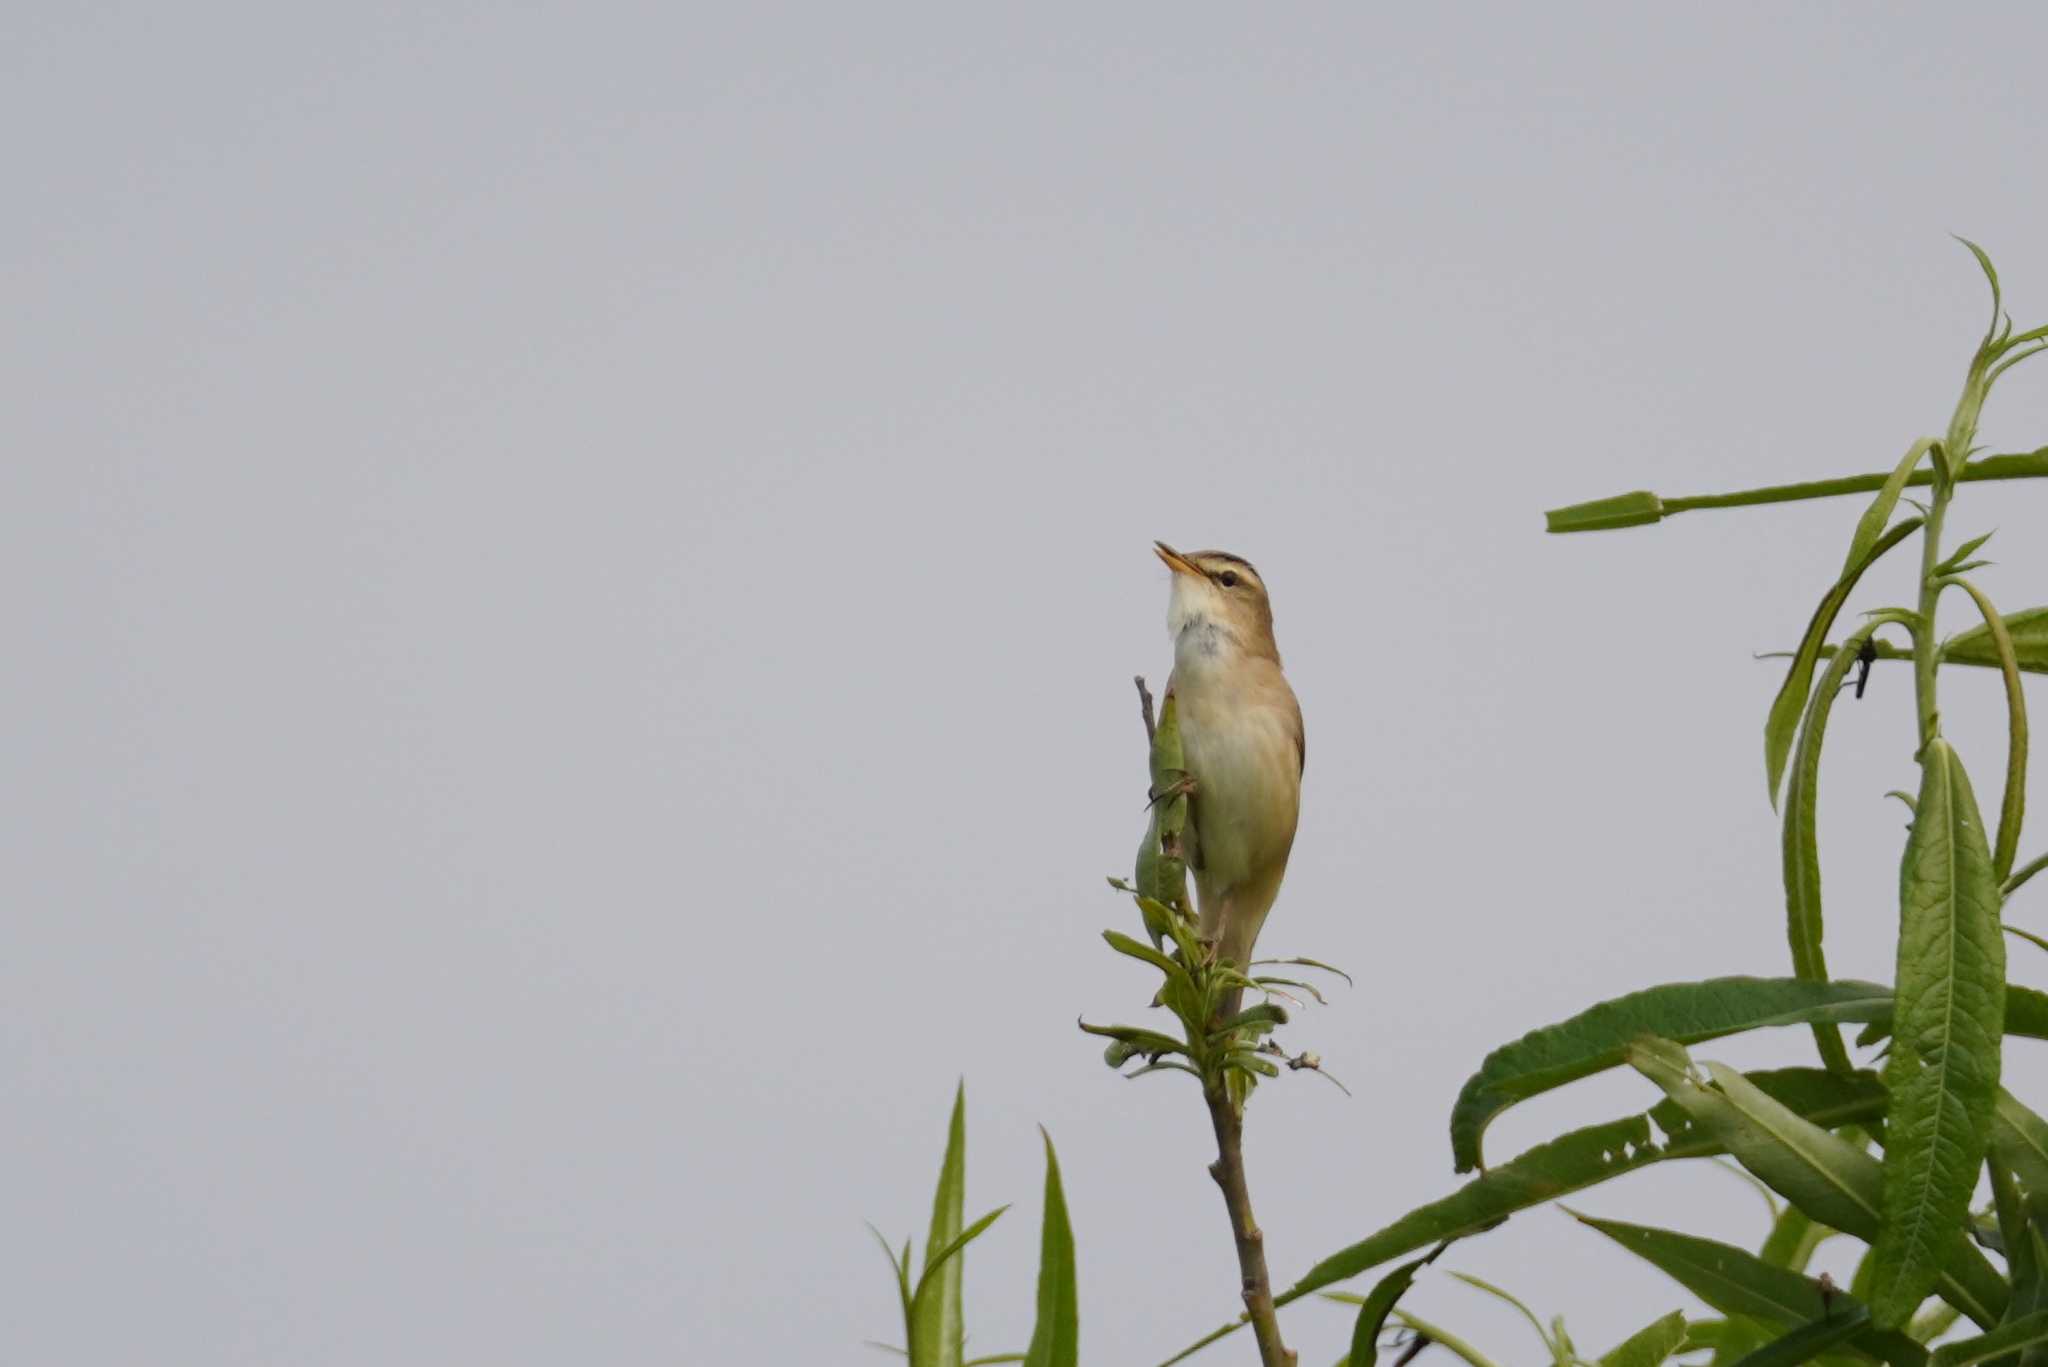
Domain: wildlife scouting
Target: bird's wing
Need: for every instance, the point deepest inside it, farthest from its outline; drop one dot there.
(1300, 738)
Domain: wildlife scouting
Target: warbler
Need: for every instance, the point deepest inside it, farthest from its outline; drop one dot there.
(1242, 734)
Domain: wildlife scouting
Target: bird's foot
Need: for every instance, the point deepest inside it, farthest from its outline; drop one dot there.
(1184, 786)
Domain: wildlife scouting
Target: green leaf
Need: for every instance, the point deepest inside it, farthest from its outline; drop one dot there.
(1871, 525)
(1737, 1282)
(1598, 1038)
(1443, 1338)
(1161, 873)
(1638, 509)
(2019, 1137)
(938, 1330)
(2021, 1333)
(2028, 631)
(900, 1270)
(1124, 944)
(2014, 806)
(1957, 558)
(1373, 1311)
(2026, 1016)
(1809, 1340)
(2020, 877)
(1943, 1069)
(1820, 1172)
(1055, 1338)
(1794, 1238)
(1801, 843)
(931, 1290)
(1550, 1344)
(1649, 1346)
(1584, 1158)
(1791, 699)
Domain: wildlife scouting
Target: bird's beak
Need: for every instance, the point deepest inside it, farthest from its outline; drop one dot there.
(1177, 562)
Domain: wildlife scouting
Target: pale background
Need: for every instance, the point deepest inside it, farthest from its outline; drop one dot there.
(572, 576)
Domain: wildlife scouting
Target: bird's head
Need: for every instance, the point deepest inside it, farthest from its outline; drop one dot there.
(1221, 591)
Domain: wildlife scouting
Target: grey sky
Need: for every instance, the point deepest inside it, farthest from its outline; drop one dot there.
(574, 577)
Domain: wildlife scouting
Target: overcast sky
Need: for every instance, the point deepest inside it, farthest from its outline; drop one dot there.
(574, 573)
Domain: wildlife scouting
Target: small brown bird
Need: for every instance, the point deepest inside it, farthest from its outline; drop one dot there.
(1241, 728)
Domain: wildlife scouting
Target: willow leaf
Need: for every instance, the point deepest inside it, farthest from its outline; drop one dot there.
(1735, 1281)
(1791, 699)
(2013, 808)
(1943, 1070)
(1056, 1336)
(1598, 1038)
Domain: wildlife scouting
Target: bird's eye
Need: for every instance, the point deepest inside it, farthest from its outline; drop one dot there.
(1228, 579)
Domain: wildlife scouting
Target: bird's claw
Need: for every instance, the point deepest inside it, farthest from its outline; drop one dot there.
(1184, 786)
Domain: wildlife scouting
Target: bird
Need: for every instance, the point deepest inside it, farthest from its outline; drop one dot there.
(1245, 749)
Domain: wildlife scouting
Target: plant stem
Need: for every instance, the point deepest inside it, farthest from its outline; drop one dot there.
(1228, 1170)
(1926, 650)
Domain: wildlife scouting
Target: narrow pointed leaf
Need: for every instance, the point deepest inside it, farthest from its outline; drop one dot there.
(2013, 808)
(1871, 525)
(1124, 944)
(1378, 1303)
(1581, 1159)
(1598, 1038)
(937, 1327)
(2020, 1139)
(1510, 1299)
(1801, 843)
(1650, 1346)
(1161, 872)
(2021, 1333)
(1793, 1238)
(1942, 1073)
(1809, 1340)
(1817, 1170)
(2027, 630)
(1737, 1282)
(1791, 699)
(1055, 1338)
(2020, 877)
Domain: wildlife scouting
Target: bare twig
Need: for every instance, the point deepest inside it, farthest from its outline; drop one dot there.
(1228, 1170)
(1145, 705)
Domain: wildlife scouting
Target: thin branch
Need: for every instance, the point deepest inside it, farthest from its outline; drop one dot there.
(1145, 705)
(1228, 1170)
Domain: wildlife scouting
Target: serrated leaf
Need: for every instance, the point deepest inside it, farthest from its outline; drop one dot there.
(1378, 1303)
(1598, 1038)
(1581, 1159)
(1737, 1282)
(1650, 1346)
(938, 1329)
(1055, 1337)
(2026, 1016)
(1791, 700)
(1942, 1072)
